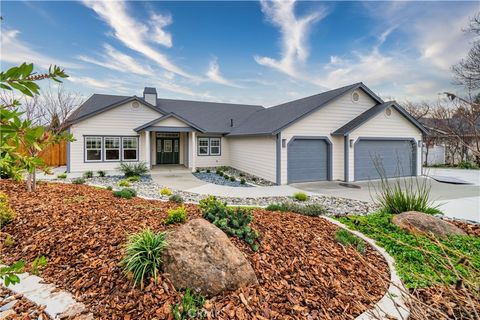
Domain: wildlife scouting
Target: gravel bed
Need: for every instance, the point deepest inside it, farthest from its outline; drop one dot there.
(238, 174)
(146, 187)
(214, 178)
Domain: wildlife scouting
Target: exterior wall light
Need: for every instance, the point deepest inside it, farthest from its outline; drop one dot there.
(351, 143)
(284, 143)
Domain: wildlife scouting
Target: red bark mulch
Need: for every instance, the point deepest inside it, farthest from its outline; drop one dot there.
(303, 272)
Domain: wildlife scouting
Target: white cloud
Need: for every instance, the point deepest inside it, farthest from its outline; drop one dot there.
(158, 22)
(294, 32)
(91, 82)
(116, 60)
(135, 35)
(15, 50)
(214, 74)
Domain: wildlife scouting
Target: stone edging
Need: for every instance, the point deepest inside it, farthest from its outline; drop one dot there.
(58, 304)
(392, 304)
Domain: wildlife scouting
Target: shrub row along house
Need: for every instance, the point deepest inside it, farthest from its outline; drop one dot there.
(343, 134)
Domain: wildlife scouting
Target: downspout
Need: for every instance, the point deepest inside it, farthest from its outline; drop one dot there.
(346, 155)
(68, 152)
(279, 159)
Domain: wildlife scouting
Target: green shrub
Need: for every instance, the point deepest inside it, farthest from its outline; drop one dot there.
(133, 169)
(232, 178)
(225, 176)
(190, 308)
(241, 174)
(125, 193)
(88, 174)
(348, 239)
(408, 194)
(165, 192)
(242, 181)
(133, 179)
(233, 221)
(300, 196)
(219, 172)
(467, 165)
(6, 212)
(109, 188)
(176, 198)
(101, 173)
(178, 215)
(197, 170)
(78, 181)
(62, 176)
(124, 183)
(313, 209)
(142, 258)
(208, 170)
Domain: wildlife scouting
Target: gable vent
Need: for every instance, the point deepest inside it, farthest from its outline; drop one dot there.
(355, 96)
(135, 104)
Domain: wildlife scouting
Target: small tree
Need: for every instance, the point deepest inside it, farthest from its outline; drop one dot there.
(20, 141)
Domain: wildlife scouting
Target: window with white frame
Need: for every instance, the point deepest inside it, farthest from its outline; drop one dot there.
(93, 148)
(130, 148)
(209, 146)
(112, 148)
(214, 146)
(203, 146)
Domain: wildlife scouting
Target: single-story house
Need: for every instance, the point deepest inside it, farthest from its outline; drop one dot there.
(347, 134)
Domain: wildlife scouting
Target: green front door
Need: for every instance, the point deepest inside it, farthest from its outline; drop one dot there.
(167, 150)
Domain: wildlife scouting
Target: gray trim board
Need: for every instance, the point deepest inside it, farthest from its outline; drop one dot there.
(346, 155)
(168, 129)
(413, 141)
(68, 152)
(329, 152)
(278, 172)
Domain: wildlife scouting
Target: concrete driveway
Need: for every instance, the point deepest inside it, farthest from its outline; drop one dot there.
(460, 201)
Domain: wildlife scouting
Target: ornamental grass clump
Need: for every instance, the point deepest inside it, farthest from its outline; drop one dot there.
(313, 209)
(300, 196)
(178, 215)
(233, 221)
(88, 174)
(62, 176)
(124, 183)
(176, 198)
(78, 181)
(125, 193)
(101, 173)
(133, 169)
(165, 192)
(133, 179)
(142, 259)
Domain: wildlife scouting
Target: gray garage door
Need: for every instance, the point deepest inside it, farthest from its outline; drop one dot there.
(395, 158)
(307, 160)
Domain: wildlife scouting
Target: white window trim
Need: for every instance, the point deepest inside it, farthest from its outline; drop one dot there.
(105, 149)
(219, 147)
(85, 149)
(207, 146)
(137, 149)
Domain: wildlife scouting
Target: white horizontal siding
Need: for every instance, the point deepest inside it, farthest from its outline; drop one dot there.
(322, 123)
(255, 155)
(383, 126)
(119, 121)
(213, 161)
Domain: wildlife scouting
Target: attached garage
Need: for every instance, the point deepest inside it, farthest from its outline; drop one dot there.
(391, 157)
(309, 159)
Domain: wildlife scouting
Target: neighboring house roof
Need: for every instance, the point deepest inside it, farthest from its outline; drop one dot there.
(373, 111)
(170, 115)
(273, 120)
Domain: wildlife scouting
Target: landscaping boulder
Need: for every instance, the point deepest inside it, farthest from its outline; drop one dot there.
(200, 256)
(424, 223)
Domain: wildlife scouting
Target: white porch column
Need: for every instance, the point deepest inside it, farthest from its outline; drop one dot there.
(193, 151)
(147, 149)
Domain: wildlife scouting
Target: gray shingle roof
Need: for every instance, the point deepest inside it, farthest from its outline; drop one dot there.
(370, 113)
(274, 119)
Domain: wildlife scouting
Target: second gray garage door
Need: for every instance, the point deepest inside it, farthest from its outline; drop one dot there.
(396, 158)
(308, 160)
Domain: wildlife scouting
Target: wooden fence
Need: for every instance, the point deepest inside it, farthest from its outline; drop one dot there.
(55, 155)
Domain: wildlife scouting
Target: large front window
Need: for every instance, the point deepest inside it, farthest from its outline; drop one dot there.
(203, 146)
(98, 148)
(93, 148)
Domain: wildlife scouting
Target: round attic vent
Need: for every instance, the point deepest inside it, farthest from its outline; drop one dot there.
(135, 104)
(388, 111)
(355, 96)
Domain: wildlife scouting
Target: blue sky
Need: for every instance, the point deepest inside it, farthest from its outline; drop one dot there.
(248, 52)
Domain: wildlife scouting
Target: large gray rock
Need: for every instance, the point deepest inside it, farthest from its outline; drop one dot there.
(200, 256)
(424, 223)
